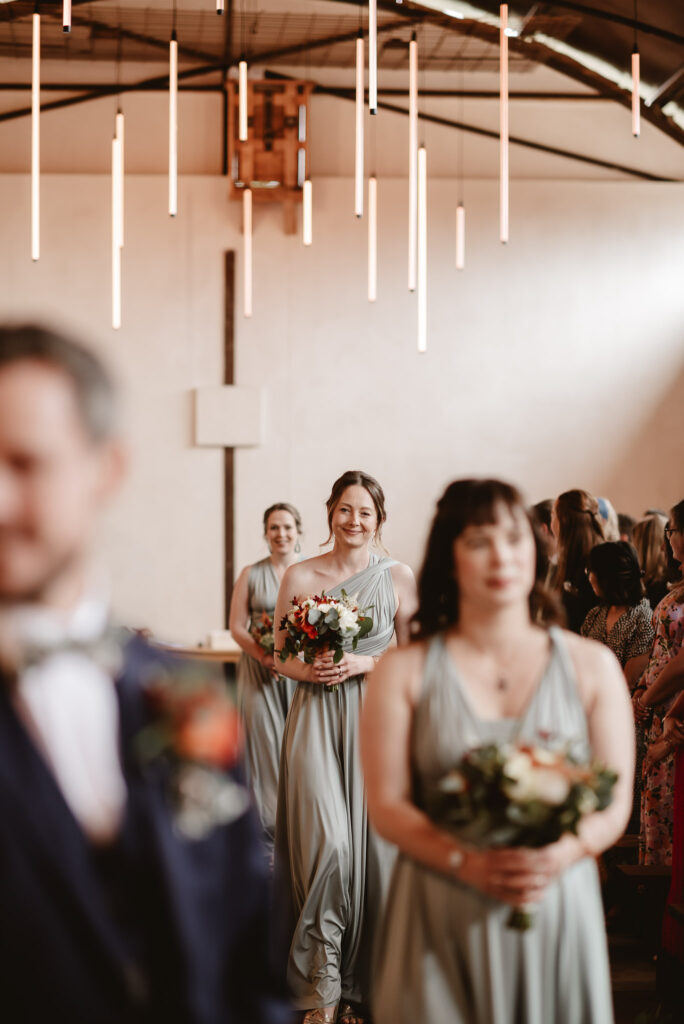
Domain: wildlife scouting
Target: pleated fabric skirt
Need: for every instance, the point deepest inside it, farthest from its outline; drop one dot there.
(331, 869)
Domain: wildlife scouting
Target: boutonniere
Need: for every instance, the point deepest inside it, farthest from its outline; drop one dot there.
(195, 728)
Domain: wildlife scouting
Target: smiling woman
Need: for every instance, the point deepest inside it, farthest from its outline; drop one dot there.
(331, 869)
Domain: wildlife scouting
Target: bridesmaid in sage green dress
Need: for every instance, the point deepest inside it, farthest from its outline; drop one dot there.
(263, 695)
(331, 870)
(484, 671)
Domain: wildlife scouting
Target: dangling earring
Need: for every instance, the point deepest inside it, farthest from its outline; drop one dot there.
(297, 548)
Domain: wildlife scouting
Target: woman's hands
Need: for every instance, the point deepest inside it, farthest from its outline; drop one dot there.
(323, 669)
(673, 735)
(642, 711)
(518, 876)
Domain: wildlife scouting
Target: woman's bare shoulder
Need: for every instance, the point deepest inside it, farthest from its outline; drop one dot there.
(402, 667)
(303, 574)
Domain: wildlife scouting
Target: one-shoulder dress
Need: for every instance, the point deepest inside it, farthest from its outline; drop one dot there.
(331, 869)
(264, 701)
(444, 953)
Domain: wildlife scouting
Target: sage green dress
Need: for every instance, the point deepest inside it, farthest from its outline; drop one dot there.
(331, 869)
(445, 955)
(264, 702)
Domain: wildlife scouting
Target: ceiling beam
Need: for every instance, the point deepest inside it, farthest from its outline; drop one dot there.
(532, 50)
(488, 133)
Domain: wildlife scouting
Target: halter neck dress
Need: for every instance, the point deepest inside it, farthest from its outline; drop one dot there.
(264, 701)
(331, 869)
(444, 953)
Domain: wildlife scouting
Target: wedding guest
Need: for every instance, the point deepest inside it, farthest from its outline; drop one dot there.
(651, 700)
(672, 744)
(651, 548)
(331, 869)
(264, 695)
(483, 671)
(577, 527)
(109, 913)
(626, 525)
(622, 620)
(542, 513)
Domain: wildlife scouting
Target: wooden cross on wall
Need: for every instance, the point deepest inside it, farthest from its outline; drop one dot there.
(228, 417)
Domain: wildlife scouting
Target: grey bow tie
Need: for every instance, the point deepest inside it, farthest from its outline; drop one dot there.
(106, 650)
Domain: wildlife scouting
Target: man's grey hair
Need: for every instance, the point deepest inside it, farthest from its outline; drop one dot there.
(92, 383)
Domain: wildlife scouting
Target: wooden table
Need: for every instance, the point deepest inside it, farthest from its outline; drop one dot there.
(228, 656)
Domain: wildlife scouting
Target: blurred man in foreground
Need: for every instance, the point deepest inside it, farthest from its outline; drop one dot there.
(132, 884)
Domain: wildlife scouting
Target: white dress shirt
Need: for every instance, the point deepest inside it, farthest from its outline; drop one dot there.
(69, 705)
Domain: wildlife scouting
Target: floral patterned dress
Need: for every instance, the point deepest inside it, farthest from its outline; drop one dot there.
(657, 794)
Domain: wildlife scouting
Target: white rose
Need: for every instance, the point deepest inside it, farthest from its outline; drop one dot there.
(324, 607)
(452, 783)
(542, 784)
(588, 802)
(518, 765)
(347, 620)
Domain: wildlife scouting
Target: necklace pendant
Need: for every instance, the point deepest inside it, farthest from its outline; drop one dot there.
(501, 683)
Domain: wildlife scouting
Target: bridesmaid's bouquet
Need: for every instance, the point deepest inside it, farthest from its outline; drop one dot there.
(316, 624)
(262, 632)
(520, 795)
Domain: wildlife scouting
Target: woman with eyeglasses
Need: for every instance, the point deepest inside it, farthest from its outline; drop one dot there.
(663, 678)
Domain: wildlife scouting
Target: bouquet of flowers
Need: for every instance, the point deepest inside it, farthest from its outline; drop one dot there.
(194, 728)
(519, 795)
(262, 632)
(317, 624)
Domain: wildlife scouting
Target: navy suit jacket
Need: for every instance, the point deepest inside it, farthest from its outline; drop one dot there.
(199, 909)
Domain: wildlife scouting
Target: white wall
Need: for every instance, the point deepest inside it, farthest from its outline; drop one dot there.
(556, 361)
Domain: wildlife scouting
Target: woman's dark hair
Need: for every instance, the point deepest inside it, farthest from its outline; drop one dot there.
(618, 574)
(470, 503)
(283, 506)
(357, 478)
(677, 515)
(90, 381)
(579, 530)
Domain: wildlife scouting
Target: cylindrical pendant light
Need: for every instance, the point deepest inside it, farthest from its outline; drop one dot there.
(173, 125)
(422, 249)
(372, 238)
(35, 140)
(460, 236)
(220, 6)
(373, 56)
(360, 108)
(413, 162)
(66, 16)
(117, 241)
(503, 126)
(636, 102)
(307, 212)
(242, 101)
(119, 134)
(247, 229)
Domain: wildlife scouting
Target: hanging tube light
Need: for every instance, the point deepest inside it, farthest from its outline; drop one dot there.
(35, 140)
(358, 160)
(372, 238)
(242, 101)
(307, 213)
(117, 240)
(503, 125)
(66, 16)
(119, 134)
(173, 125)
(247, 229)
(460, 236)
(373, 56)
(220, 6)
(636, 103)
(422, 249)
(413, 162)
